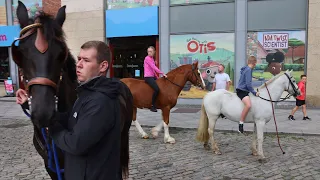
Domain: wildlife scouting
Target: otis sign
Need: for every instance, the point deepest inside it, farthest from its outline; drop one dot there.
(196, 46)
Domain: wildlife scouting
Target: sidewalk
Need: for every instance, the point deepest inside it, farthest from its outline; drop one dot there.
(188, 117)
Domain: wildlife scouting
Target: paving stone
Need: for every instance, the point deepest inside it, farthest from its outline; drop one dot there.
(187, 159)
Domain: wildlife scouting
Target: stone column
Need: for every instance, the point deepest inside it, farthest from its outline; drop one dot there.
(241, 12)
(313, 55)
(164, 35)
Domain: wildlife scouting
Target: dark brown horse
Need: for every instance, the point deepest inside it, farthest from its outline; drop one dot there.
(170, 89)
(49, 75)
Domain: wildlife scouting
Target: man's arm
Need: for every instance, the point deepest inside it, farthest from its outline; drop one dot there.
(228, 83)
(97, 119)
(248, 76)
(61, 117)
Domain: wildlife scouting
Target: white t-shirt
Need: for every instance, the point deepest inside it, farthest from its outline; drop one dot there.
(221, 80)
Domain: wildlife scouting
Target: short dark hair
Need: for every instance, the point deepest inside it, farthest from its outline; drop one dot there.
(303, 75)
(103, 51)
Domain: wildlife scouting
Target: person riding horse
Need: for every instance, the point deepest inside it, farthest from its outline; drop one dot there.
(150, 76)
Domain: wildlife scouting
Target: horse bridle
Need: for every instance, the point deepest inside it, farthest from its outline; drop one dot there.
(42, 45)
(193, 74)
(288, 95)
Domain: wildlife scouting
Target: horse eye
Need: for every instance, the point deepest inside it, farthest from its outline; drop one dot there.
(273, 68)
(208, 71)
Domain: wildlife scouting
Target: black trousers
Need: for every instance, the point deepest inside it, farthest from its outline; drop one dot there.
(152, 82)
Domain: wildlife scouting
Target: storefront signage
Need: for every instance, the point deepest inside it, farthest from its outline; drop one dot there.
(196, 46)
(8, 34)
(132, 65)
(117, 66)
(275, 41)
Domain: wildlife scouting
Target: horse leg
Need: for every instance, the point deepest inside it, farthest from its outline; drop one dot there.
(254, 141)
(260, 126)
(155, 131)
(165, 116)
(212, 124)
(140, 130)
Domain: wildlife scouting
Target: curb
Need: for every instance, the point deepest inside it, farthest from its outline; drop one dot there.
(236, 132)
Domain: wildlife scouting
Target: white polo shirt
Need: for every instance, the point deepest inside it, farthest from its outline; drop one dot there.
(221, 80)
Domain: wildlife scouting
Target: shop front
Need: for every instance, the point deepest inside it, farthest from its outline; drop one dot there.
(247, 28)
(129, 32)
(7, 36)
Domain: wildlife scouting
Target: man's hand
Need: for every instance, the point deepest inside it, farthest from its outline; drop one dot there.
(257, 94)
(21, 96)
(164, 75)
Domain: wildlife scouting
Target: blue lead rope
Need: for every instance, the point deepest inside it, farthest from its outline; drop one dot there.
(57, 169)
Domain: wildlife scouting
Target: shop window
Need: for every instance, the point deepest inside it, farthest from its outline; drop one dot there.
(33, 7)
(4, 63)
(210, 50)
(121, 4)
(290, 50)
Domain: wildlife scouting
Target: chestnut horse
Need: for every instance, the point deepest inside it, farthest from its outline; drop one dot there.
(170, 89)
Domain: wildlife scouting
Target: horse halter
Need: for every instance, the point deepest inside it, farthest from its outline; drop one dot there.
(292, 85)
(41, 45)
(193, 74)
(288, 95)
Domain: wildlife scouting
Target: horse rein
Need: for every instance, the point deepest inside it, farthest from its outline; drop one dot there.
(287, 96)
(42, 45)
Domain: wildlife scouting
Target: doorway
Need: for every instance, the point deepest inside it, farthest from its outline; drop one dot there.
(128, 54)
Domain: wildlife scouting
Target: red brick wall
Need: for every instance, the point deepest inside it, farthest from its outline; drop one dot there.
(51, 6)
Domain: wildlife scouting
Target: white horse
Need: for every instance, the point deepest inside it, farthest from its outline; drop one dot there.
(222, 102)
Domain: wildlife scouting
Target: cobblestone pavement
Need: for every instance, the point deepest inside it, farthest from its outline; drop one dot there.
(187, 159)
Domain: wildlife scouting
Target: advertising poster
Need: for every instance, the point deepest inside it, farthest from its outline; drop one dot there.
(209, 50)
(121, 4)
(196, 1)
(3, 13)
(33, 7)
(289, 44)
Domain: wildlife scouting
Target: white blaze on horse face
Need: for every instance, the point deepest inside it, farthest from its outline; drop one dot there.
(204, 85)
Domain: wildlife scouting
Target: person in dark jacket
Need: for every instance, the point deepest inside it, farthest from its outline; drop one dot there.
(90, 133)
(245, 87)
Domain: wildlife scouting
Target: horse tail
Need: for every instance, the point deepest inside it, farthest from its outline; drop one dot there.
(202, 134)
(124, 151)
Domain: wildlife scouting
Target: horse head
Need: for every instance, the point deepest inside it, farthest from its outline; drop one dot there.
(290, 84)
(195, 76)
(41, 55)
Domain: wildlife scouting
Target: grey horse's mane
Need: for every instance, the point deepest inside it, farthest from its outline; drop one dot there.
(271, 80)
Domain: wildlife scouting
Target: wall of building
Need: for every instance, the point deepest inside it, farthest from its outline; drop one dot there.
(84, 22)
(313, 65)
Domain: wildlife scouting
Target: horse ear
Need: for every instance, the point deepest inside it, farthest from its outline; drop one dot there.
(195, 64)
(291, 70)
(61, 15)
(22, 15)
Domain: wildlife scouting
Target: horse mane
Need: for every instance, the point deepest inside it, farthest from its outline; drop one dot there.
(270, 80)
(52, 30)
(176, 70)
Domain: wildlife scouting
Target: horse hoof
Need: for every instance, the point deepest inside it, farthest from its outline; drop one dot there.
(217, 152)
(254, 154)
(154, 134)
(145, 137)
(206, 147)
(262, 160)
(170, 140)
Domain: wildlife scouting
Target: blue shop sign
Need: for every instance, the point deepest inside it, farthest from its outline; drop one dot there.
(132, 22)
(8, 34)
